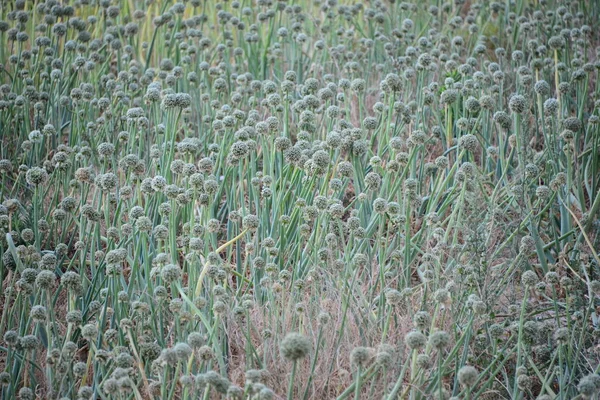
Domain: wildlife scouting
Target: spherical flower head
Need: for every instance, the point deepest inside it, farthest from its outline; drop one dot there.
(4, 378)
(479, 307)
(542, 192)
(36, 176)
(589, 385)
(74, 317)
(358, 85)
(441, 295)
(393, 297)
(323, 318)
(11, 338)
(136, 212)
(72, 281)
(135, 113)
(116, 256)
(172, 191)
(439, 340)
(150, 351)
(345, 169)
(550, 107)
(517, 104)
(218, 382)
(250, 222)
(184, 100)
(462, 123)
(373, 181)
(235, 392)
(293, 155)
(29, 342)
(527, 244)
(496, 331)
(219, 307)
(5, 166)
(411, 185)
(487, 102)
(361, 356)
(531, 170)
(567, 135)
(524, 382)
(36, 136)
(239, 149)
(186, 381)
(196, 180)
(572, 124)
(89, 331)
(266, 394)
(7, 258)
(423, 361)
(205, 353)
(502, 119)
(529, 279)
(105, 149)
(393, 82)
(183, 351)
(370, 123)
(467, 376)
(561, 178)
(26, 393)
(124, 360)
(272, 124)
(321, 159)
(254, 376)
(143, 224)
(393, 208)
(415, 340)
(169, 101)
(295, 346)
(468, 142)
(421, 320)
(472, 105)
(556, 42)
(28, 275)
(380, 205)
(359, 147)
(38, 313)
(195, 340)
(282, 143)
(171, 273)
(85, 392)
(542, 88)
(332, 111)
(449, 96)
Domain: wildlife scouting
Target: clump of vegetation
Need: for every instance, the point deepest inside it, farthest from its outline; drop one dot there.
(260, 199)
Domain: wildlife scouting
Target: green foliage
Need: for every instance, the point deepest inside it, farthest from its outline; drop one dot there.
(311, 199)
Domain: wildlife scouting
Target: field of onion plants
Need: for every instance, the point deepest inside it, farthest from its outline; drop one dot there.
(301, 199)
